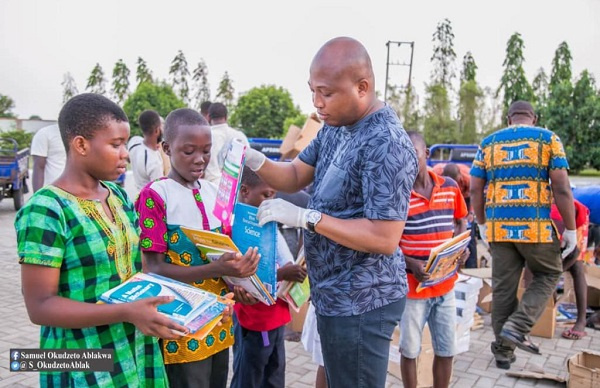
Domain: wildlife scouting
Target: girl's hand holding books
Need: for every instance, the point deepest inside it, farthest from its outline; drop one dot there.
(145, 316)
(243, 296)
(234, 264)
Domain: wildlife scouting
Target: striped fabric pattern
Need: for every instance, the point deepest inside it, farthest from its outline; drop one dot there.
(431, 222)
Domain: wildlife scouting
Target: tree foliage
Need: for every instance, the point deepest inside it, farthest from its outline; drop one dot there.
(96, 82)
(470, 99)
(513, 83)
(22, 137)
(120, 84)
(225, 91)
(561, 65)
(443, 54)
(148, 95)
(438, 124)
(540, 87)
(201, 85)
(69, 87)
(6, 106)
(142, 72)
(262, 111)
(179, 74)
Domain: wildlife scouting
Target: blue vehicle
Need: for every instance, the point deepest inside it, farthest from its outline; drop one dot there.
(452, 153)
(269, 147)
(14, 171)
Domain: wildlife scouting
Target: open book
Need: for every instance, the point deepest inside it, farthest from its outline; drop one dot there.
(443, 260)
(296, 294)
(198, 310)
(212, 245)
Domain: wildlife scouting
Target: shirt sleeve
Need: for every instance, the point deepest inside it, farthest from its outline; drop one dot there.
(41, 234)
(460, 210)
(558, 158)
(478, 167)
(310, 154)
(39, 144)
(388, 170)
(152, 217)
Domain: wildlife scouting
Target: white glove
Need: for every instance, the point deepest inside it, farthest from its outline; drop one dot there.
(569, 242)
(483, 234)
(281, 211)
(254, 159)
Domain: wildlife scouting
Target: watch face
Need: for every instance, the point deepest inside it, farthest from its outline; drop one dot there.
(314, 217)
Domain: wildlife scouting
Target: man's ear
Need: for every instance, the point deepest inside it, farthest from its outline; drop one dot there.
(363, 87)
(244, 191)
(508, 120)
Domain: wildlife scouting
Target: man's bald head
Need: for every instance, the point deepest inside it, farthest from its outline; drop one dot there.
(451, 170)
(344, 57)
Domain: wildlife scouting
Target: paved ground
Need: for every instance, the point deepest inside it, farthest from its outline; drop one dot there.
(474, 368)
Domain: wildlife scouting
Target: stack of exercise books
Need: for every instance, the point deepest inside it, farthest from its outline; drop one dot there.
(296, 294)
(198, 310)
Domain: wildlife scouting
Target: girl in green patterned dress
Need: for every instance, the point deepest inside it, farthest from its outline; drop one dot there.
(78, 238)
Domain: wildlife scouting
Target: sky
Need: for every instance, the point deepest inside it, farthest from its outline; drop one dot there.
(272, 42)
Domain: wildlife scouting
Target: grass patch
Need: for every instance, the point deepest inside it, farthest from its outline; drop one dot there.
(589, 172)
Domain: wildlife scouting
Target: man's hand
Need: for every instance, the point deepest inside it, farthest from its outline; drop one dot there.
(483, 234)
(569, 242)
(234, 264)
(283, 212)
(417, 267)
(292, 273)
(254, 159)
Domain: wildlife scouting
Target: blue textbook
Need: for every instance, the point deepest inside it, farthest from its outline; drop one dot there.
(247, 233)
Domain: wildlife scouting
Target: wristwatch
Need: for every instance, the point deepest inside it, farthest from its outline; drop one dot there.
(312, 219)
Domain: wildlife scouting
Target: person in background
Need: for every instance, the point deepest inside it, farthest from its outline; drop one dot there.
(259, 350)
(437, 213)
(49, 156)
(222, 135)
(145, 156)
(363, 166)
(523, 167)
(204, 107)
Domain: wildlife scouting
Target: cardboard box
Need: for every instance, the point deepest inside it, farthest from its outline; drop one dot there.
(424, 361)
(546, 324)
(295, 141)
(297, 322)
(584, 369)
(287, 145)
(592, 277)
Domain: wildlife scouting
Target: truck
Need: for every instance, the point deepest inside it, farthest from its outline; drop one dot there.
(14, 171)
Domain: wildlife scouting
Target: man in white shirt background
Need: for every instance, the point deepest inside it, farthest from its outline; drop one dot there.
(144, 154)
(49, 156)
(222, 135)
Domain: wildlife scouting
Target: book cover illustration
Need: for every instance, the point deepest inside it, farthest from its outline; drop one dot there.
(229, 183)
(247, 233)
(443, 260)
(192, 307)
(212, 245)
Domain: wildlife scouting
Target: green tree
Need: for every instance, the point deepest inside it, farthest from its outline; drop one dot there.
(148, 95)
(438, 124)
(540, 87)
(142, 72)
(409, 111)
(179, 74)
(262, 111)
(561, 65)
(69, 87)
(559, 112)
(35, 117)
(470, 98)
(120, 84)
(96, 82)
(514, 84)
(490, 119)
(201, 86)
(22, 138)
(585, 149)
(6, 106)
(225, 91)
(443, 54)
